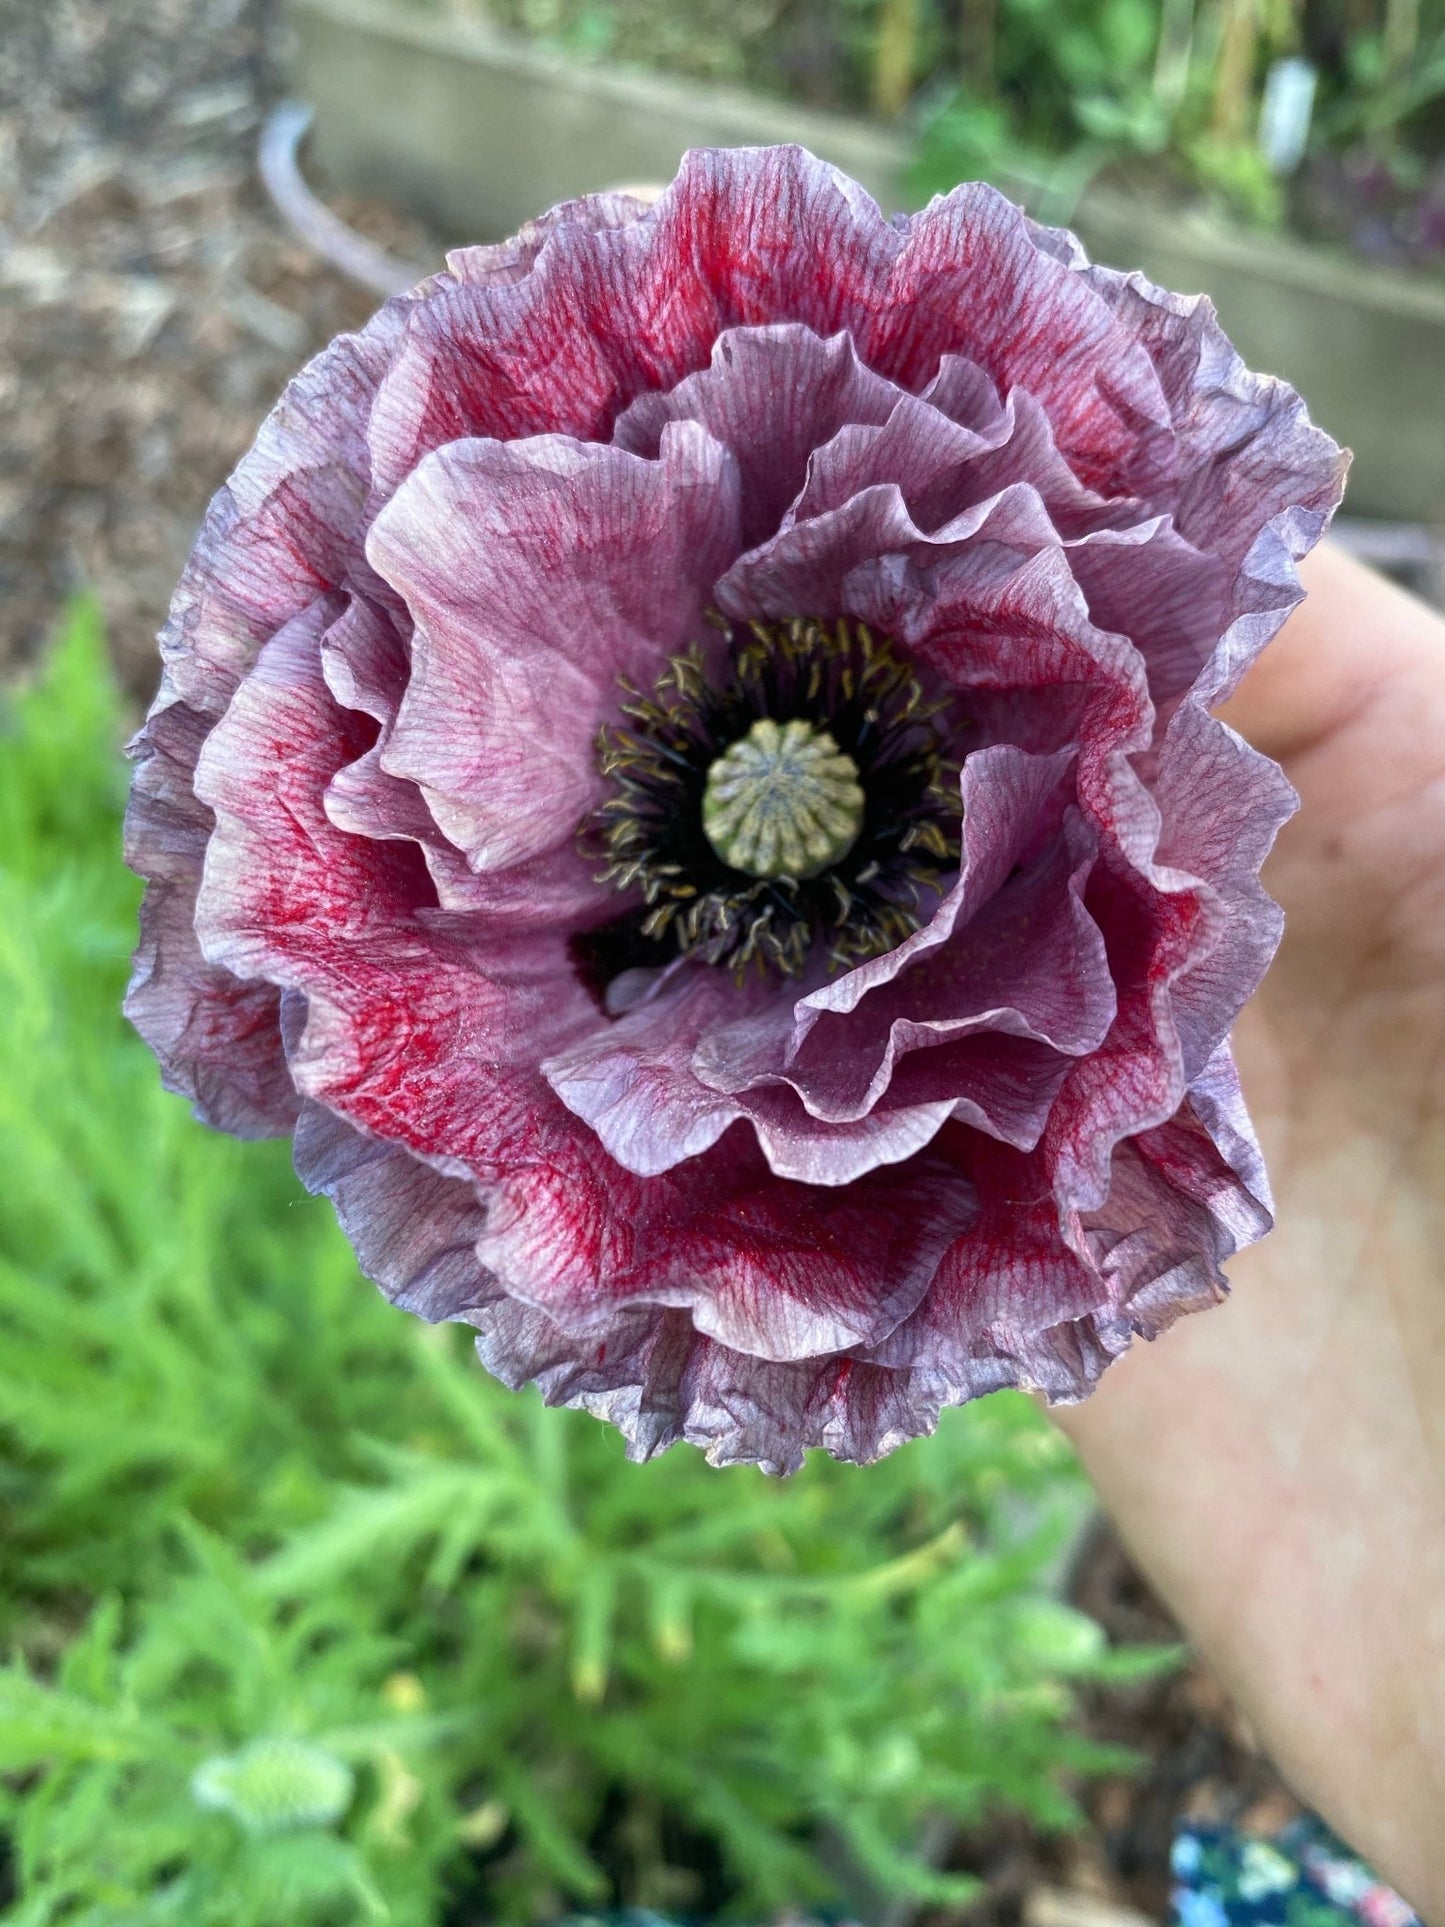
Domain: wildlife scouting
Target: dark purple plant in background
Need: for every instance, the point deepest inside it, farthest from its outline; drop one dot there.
(684, 777)
(1384, 214)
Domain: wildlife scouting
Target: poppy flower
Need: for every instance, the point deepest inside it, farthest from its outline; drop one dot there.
(684, 777)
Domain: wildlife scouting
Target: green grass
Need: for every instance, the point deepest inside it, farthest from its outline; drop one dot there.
(243, 1500)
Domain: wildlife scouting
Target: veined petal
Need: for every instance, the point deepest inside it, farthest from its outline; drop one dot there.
(519, 564)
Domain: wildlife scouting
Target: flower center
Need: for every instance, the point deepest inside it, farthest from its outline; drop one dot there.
(783, 802)
(788, 792)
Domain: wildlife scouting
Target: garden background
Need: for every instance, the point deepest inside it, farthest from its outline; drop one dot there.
(306, 1620)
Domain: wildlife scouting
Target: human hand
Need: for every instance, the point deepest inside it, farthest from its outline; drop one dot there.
(1278, 1466)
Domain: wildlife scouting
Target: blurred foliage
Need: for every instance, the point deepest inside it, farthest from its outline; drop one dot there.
(1044, 94)
(310, 1621)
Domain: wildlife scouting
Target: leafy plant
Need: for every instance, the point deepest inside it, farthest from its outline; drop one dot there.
(312, 1621)
(1042, 95)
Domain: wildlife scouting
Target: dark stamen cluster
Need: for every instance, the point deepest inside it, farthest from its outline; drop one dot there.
(839, 677)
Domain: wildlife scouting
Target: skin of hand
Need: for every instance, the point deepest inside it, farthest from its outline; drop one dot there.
(1277, 1466)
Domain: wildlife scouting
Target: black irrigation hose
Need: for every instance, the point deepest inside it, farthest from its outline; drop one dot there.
(314, 223)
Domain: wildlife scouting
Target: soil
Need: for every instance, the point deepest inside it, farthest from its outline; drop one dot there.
(151, 307)
(151, 303)
(1199, 1761)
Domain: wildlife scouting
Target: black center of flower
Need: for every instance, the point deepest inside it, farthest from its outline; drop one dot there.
(799, 792)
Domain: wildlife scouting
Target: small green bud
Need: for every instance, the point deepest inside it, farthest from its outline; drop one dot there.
(271, 1786)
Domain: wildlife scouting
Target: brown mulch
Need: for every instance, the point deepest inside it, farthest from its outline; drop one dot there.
(151, 304)
(151, 308)
(1199, 1762)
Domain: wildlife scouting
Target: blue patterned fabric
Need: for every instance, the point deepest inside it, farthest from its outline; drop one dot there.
(1303, 1877)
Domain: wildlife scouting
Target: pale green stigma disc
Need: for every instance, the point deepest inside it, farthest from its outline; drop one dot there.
(783, 801)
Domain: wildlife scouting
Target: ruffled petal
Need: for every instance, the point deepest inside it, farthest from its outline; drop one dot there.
(660, 1381)
(415, 1032)
(414, 1229)
(1135, 1080)
(979, 285)
(771, 396)
(616, 304)
(519, 564)
(1253, 480)
(1012, 800)
(283, 532)
(942, 466)
(1182, 1199)
(988, 602)
(1030, 963)
(643, 1085)
(217, 1040)
(275, 539)
(1170, 599)
(632, 1081)
(775, 1270)
(1016, 1300)
(837, 563)
(1221, 805)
